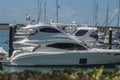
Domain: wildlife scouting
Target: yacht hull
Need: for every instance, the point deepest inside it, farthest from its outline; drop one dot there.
(66, 58)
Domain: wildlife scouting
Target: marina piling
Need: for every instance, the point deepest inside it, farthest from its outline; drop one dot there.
(1, 67)
(110, 38)
(15, 30)
(11, 30)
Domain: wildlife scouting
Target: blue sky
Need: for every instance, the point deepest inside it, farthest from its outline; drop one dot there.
(80, 11)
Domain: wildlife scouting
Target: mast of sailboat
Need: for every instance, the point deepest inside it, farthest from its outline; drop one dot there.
(39, 10)
(107, 17)
(118, 13)
(45, 13)
(57, 13)
(96, 14)
(107, 20)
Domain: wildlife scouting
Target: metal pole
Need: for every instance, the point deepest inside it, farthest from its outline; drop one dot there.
(110, 38)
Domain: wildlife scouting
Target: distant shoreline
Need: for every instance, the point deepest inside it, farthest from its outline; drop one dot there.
(5, 26)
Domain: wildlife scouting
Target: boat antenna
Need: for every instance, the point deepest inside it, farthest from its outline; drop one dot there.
(28, 19)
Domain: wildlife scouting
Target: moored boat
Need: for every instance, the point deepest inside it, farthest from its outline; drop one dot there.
(60, 48)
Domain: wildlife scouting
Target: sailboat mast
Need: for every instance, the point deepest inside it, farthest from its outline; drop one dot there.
(118, 13)
(96, 13)
(107, 16)
(56, 12)
(45, 13)
(39, 10)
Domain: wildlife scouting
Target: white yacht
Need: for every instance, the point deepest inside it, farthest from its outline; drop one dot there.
(88, 35)
(60, 48)
(24, 32)
(42, 33)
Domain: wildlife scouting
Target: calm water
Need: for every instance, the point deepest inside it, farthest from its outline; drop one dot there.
(4, 35)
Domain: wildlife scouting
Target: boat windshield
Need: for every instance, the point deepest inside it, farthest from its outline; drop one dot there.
(81, 32)
(94, 34)
(49, 30)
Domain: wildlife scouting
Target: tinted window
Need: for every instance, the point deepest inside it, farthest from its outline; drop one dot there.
(68, 46)
(49, 30)
(81, 32)
(94, 34)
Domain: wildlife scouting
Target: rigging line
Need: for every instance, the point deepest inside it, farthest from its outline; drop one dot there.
(114, 17)
(106, 20)
(118, 13)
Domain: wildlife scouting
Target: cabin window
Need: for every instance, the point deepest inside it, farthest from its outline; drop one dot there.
(49, 30)
(81, 32)
(68, 46)
(94, 34)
